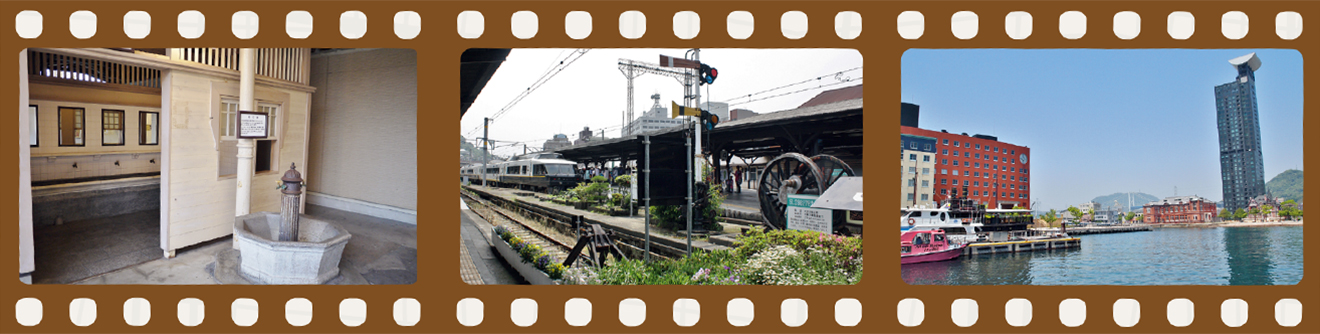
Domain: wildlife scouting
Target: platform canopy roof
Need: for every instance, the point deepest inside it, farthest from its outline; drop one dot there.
(832, 128)
(475, 69)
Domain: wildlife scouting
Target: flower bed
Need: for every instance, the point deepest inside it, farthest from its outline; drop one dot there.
(762, 258)
(532, 262)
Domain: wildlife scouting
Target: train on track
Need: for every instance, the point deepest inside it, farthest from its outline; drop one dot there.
(545, 172)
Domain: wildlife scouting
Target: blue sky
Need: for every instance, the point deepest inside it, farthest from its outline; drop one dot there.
(1106, 121)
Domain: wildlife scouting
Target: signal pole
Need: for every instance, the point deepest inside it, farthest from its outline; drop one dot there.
(485, 151)
(695, 89)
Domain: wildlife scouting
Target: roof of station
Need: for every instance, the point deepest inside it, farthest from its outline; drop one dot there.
(836, 127)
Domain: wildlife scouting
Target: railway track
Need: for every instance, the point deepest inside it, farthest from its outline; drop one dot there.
(547, 222)
(553, 242)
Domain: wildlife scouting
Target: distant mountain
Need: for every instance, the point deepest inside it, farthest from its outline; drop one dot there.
(1287, 185)
(1138, 199)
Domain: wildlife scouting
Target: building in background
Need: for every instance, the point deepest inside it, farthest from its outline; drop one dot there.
(738, 114)
(655, 119)
(559, 141)
(720, 109)
(1180, 209)
(834, 95)
(995, 173)
(1267, 206)
(1241, 165)
(918, 174)
(909, 115)
(583, 136)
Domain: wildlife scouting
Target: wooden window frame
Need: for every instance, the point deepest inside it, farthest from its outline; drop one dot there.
(59, 115)
(142, 127)
(123, 137)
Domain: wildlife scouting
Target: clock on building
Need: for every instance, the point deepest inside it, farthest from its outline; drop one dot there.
(1023, 157)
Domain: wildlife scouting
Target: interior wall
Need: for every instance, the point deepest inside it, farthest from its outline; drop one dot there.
(364, 127)
(75, 92)
(50, 161)
(48, 128)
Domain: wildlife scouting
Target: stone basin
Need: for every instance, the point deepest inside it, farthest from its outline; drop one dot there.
(313, 259)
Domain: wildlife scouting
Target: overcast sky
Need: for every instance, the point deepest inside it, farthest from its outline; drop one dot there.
(593, 92)
(1105, 121)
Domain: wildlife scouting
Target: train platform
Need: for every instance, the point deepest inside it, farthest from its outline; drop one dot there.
(486, 266)
(630, 226)
(745, 201)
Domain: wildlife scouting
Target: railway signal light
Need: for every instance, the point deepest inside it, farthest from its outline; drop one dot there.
(709, 119)
(708, 74)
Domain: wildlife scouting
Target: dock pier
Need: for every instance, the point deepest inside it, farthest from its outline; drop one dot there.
(1021, 245)
(1098, 229)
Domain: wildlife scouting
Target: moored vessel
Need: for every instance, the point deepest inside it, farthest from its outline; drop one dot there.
(927, 246)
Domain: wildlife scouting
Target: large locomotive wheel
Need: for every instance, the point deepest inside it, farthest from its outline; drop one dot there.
(787, 174)
(832, 169)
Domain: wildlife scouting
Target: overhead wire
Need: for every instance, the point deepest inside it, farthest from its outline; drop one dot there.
(797, 91)
(734, 101)
(550, 73)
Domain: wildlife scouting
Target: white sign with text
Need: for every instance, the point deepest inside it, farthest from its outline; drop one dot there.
(801, 216)
(252, 125)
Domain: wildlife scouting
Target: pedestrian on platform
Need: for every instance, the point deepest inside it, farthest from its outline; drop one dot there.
(737, 178)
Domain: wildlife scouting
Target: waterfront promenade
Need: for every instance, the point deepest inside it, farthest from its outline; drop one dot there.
(1097, 229)
(1233, 224)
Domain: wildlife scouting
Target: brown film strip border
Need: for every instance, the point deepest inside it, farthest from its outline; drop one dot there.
(439, 292)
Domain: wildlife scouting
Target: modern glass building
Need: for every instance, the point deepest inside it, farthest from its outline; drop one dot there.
(1241, 166)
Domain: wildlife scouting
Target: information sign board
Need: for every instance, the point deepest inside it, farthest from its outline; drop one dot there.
(252, 125)
(801, 216)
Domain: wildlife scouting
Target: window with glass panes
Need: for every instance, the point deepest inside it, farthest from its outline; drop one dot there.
(271, 111)
(228, 114)
(112, 127)
(71, 126)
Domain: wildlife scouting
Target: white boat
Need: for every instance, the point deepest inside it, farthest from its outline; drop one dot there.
(933, 219)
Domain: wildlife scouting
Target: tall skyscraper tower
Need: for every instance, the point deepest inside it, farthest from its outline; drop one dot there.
(1240, 163)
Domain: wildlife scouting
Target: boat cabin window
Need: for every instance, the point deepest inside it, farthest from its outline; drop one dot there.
(920, 239)
(939, 238)
(944, 216)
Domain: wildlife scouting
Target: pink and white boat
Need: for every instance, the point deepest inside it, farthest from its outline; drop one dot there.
(927, 246)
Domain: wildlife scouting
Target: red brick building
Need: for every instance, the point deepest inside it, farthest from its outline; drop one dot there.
(1181, 209)
(995, 173)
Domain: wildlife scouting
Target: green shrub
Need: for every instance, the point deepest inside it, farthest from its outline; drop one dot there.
(764, 258)
(620, 200)
(623, 180)
(847, 251)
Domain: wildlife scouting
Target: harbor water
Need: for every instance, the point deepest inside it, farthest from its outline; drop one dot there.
(1165, 256)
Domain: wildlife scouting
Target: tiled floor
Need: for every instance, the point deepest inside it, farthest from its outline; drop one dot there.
(380, 252)
(468, 269)
(81, 249)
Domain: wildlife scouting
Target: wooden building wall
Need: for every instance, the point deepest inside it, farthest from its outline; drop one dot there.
(200, 202)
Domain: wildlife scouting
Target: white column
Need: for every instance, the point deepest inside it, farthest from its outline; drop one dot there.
(247, 75)
(26, 248)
